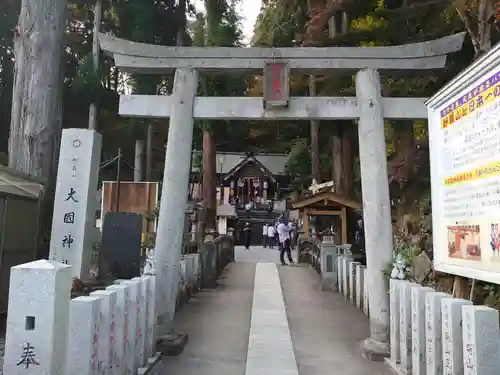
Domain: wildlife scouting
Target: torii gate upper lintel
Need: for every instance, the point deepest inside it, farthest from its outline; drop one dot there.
(135, 57)
(368, 106)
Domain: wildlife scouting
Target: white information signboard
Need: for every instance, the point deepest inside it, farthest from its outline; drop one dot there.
(464, 138)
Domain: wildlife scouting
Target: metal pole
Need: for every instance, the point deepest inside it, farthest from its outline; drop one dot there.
(118, 170)
(95, 59)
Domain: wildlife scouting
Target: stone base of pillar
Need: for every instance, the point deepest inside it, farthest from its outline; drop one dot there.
(171, 345)
(375, 351)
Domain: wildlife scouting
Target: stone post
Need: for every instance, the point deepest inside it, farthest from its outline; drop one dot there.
(481, 340)
(345, 276)
(352, 281)
(107, 332)
(197, 270)
(208, 261)
(433, 322)
(121, 326)
(376, 208)
(340, 276)
(360, 285)
(142, 321)
(83, 344)
(328, 265)
(405, 332)
(174, 195)
(74, 204)
(418, 329)
(394, 297)
(36, 339)
(453, 356)
(133, 323)
(151, 320)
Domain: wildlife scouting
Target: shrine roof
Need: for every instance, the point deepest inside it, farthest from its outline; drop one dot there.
(16, 183)
(274, 163)
(250, 159)
(328, 196)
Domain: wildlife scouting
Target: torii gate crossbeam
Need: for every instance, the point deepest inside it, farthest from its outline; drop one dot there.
(143, 58)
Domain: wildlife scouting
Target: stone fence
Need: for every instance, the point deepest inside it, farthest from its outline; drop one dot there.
(431, 332)
(110, 331)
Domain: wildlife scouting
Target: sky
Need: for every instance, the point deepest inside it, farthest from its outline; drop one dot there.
(249, 10)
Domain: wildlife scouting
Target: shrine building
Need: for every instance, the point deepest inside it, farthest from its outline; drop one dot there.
(250, 176)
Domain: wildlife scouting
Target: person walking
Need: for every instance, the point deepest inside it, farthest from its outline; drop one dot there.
(284, 238)
(291, 227)
(271, 232)
(247, 231)
(264, 235)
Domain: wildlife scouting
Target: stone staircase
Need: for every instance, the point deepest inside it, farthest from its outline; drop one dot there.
(259, 216)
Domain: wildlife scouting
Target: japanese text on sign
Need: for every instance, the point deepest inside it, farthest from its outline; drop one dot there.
(28, 356)
(482, 94)
(276, 90)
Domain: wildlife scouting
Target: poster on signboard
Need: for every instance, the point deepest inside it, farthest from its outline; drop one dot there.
(464, 140)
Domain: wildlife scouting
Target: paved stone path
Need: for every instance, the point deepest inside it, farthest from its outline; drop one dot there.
(258, 254)
(267, 319)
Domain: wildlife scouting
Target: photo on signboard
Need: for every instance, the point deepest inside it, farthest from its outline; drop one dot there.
(464, 242)
(494, 238)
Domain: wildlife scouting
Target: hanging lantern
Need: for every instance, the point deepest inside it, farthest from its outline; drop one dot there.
(266, 185)
(241, 183)
(231, 184)
(256, 182)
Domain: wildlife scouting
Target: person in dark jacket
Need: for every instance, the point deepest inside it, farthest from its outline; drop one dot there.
(247, 232)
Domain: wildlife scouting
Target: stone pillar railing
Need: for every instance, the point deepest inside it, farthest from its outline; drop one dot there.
(433, 333)
(208, 254)
(111, 331)
(225, 251)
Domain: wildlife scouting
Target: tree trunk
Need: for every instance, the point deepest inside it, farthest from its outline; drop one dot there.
(181, 29)
(337, 162)
(36, 118)
(36, 103)
(478, 28)
(348, 139)
(315, 168)
(149, 152)
(342, 154)
(343, 161)
(213, 20)
(209, 183)
(404, 148)
(139, 155)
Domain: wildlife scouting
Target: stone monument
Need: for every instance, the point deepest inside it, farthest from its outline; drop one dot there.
(39, 294)
(74, 204)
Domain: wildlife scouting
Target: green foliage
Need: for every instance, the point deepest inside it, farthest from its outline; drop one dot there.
(279, 23)
(87, 84)
(220, 26)
(299, 163)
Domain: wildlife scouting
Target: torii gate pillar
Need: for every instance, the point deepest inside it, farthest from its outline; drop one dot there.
(174, 196)
(376, 208)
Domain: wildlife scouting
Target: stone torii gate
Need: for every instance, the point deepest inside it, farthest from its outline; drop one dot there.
(183, 106)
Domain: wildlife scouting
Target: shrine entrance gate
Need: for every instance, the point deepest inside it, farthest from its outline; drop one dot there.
(369, 107)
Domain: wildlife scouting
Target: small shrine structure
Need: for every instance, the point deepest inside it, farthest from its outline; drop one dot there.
(323, 201)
